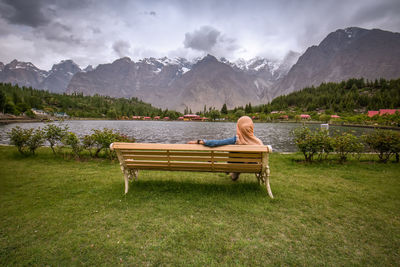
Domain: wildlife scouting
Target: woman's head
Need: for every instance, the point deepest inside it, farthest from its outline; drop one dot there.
(245, 132)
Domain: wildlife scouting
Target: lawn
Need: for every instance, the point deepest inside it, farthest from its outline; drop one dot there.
(57, 211)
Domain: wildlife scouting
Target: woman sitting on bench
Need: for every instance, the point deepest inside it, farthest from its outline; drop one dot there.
(244, 136)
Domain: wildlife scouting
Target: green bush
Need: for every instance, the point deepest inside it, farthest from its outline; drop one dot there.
(54, 134)
(71, 140)
(385, 142)
(36, 140)
(346, 143)
(26, 139)
(89, 143)
(312, 142)
(19, 137)
(103, 139)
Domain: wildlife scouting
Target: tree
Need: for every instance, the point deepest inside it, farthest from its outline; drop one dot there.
(214, 114)
(248, 109)
(2, 101)
(239, 113)
(224, 109)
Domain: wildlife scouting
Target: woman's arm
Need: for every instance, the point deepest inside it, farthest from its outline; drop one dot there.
(213, 143)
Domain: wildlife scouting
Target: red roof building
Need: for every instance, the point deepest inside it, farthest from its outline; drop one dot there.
(157, 117)
(381, 112)
(147, 118)
(180, 119)
(335, 116)
(372, 113)
(305, 116)
(388, 111)
(166, 118)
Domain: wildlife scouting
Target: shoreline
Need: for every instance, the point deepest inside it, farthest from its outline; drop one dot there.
(29, 120)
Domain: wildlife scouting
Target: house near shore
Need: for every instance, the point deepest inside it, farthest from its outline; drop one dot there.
(381, 112)
(335, 117)
(39, 112)
(305, 116)
(191, 117)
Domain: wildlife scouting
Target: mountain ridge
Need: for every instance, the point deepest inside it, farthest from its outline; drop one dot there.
(177, 83)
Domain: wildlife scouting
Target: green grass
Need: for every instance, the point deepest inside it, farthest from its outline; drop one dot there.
(63, 212)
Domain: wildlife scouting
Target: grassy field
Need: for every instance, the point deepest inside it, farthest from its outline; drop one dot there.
(63, 212)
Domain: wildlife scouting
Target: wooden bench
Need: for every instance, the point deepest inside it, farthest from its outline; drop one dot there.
(199, 158)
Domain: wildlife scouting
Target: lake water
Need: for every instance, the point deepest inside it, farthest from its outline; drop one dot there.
(275, 134)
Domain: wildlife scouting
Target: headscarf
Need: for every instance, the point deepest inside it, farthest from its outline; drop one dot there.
(245, 132)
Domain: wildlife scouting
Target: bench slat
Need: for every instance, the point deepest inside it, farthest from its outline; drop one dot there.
(187, 147)
(184, 153)
(197, 168)
(174, 158)
(201, 165)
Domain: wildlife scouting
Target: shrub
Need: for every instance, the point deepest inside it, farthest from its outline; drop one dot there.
(36, 140)
(26, 139)
(324, 143)
(385, 142)
(103, 139)
(89, 143)
(312, 142)
(71, 140)
(346, 143)
(20, 137)
(54, 134)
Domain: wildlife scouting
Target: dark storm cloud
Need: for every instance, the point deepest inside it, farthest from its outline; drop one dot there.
(203, 39)
(92, 31)
(121, 48)
(59, 32)
(379, 10)
(24, 12)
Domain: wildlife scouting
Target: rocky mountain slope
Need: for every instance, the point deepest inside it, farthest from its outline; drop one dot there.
(343, 54)
(178, 83)
(26, 74)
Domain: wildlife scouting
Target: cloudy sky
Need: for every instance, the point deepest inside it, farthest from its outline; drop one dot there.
(100, 31)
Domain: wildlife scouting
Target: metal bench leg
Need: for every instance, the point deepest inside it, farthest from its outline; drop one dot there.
(258, 176)
(266, 180)
(126, 177)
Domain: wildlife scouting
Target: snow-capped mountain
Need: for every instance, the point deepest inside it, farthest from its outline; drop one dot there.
(59, 76)
(22, 73)
(177, 83)
(27, 74)
(346, 53)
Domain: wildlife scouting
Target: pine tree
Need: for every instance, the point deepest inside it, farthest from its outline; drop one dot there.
(224, 109)
(2, 101)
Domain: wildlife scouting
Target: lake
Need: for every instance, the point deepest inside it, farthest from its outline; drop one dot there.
(275, 134)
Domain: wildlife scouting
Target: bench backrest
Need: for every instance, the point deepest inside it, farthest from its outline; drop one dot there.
(185, 157)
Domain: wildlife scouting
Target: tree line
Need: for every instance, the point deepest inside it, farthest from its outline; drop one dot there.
(347, 96)
(17, 100)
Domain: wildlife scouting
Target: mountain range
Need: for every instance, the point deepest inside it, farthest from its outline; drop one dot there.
(179, 83)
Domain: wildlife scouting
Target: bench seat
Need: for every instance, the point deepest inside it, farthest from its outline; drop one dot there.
(193, 157)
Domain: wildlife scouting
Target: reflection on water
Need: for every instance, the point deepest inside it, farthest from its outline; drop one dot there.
(275, 134)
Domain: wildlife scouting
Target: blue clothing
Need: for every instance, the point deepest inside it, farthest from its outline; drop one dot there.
(213, 143)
